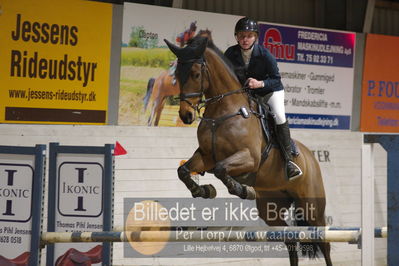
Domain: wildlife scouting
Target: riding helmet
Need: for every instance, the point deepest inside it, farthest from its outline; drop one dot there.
(246, 24)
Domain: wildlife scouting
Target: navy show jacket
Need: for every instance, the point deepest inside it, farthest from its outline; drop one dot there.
(262, 66)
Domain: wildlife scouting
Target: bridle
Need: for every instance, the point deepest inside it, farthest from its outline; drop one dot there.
(203, 102)
(186, 96)
(214, 123)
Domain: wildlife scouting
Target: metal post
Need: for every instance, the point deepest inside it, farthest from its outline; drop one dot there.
(368, 18)
(367, 183)
(391, 144)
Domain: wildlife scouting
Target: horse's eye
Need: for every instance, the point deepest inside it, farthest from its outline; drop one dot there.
(196, 75)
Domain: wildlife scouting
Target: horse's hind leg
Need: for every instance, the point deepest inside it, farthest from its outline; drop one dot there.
(325, 248)
(158, 111)
(269, 205)
(152, 113)
(195, 164)
(312, 212)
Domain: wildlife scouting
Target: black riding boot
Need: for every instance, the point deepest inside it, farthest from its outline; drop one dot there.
(284, 138)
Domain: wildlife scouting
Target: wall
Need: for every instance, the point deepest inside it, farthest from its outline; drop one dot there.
(330, 14)
(149, 170)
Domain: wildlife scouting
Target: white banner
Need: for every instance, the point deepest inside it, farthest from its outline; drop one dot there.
(79, 198)
(316, 65)
(16, 187)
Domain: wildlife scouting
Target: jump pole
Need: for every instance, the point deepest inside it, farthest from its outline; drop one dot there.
(276, 235)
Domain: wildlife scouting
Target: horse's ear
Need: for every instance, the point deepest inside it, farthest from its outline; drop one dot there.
(175, 49)
(199, 51)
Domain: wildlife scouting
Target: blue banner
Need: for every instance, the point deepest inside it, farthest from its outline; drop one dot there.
(317, 71)
(308, 46)
(318, 121)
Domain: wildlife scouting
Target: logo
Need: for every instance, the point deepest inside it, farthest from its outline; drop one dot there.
(16, 183)
(80, 189)
(274, 42)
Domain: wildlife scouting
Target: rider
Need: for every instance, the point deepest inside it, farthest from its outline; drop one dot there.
(257, 69)
(187, 35)
(182, 40)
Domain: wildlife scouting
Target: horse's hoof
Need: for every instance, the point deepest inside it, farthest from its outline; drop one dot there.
(251, 193)
(235, 188)
(210, 191)
(197, 192)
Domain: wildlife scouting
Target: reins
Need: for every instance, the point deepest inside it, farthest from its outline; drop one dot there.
(203, 103)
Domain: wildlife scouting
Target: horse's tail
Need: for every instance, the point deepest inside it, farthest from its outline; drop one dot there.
(147, 96)
(309, 249)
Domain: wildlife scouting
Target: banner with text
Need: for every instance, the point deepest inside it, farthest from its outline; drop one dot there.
(21, 190)
(380, 87)
(316, 66)
(56, 61)
(80, 199)
(227, 228)
(317, 69)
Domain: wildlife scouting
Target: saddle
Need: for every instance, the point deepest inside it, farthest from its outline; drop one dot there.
(75, 257)
(268, 123)
(21, 260)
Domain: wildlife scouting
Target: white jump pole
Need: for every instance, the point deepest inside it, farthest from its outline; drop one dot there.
(367, 185)
(271, 234)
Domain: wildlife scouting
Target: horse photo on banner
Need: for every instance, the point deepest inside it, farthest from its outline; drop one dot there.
(148, 87)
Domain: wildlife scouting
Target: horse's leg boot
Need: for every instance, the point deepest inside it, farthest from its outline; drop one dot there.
(284, 138)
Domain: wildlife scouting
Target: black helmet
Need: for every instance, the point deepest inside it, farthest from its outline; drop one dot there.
(246, 24)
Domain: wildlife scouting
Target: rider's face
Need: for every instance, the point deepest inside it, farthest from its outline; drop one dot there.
(246, 39)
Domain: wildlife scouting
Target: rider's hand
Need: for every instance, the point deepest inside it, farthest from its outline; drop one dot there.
(254, 83)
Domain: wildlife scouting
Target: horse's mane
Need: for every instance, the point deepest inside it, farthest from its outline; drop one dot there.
(211, 45)
(226, 62)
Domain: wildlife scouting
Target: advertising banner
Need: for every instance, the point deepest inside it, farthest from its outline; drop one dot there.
(21, 185)
(316, 66)
(147, 85)
(56, 61)
(380, 87)
(80, 199)
(317, 72)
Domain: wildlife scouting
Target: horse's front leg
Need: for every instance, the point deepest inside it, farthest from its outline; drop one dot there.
(239, 163)
(195, 164)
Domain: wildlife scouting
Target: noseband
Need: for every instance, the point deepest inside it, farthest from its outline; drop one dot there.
(186, 96)
(203, 102)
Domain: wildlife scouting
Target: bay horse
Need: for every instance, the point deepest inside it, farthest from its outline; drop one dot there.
(231, 144)
(158, 90)
(162, 87)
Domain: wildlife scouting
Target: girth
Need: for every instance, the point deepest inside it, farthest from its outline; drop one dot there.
(215, 123)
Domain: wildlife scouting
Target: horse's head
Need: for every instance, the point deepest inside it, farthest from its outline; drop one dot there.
(190, 70)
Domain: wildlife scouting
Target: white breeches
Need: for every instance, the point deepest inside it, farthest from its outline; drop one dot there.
(276, 103)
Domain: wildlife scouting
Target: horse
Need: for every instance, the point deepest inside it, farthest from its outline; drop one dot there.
(162, 87)
(232, 147)
(158, 90)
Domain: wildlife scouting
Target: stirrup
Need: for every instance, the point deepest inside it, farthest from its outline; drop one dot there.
(300, 173)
